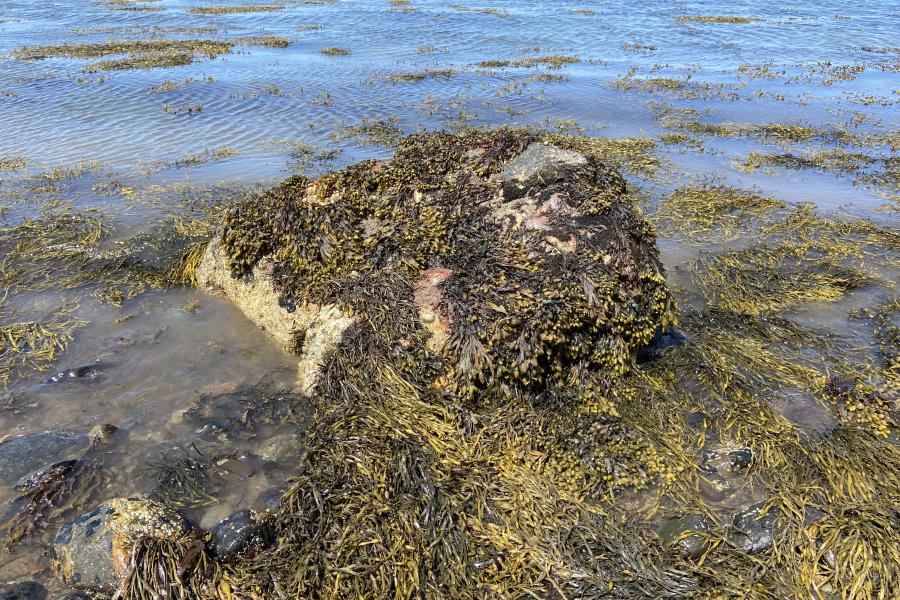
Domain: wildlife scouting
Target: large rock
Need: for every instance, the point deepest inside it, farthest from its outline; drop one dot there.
(93, 551)
(22, 455)
(515, 259)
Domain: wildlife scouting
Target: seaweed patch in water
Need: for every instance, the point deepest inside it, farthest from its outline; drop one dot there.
(716, 19)
(712, 212)
(33, 345)
(145, 54)
(182, 478)
(232, 10)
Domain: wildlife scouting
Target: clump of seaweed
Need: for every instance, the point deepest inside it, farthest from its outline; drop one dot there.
(181, 569)
(716, 19)
(53, 492)
(373, 132)
(494, 12)
(33, 345)
(181, 478)
(12, 163)
(405, 215)
(335, 51)
(552, 61)
(145, 54)
(232, 10)
(712, 212)
(765, 278)
(416, 76)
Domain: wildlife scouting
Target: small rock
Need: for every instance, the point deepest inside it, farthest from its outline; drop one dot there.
(106, 433)
(84, 373)
(281, 449)
(240, 533)
(740, 460)
(92, 552)
(661, 343)
(714, 487)
(752, 530)
(27, 590)
(269, 500)
(673, 531)
(21, 455)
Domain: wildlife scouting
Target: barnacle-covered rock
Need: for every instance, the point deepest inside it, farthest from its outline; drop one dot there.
(517, 262)
(93, 551)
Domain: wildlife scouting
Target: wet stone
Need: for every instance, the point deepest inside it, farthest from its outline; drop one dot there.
(714, 487)
(269, 499)
(27, 590)
(662, 342)
(241, 533)
(83, 373)
(752, 529)
(740, 460)
(675, 533)
(22, 455)
(92, 551)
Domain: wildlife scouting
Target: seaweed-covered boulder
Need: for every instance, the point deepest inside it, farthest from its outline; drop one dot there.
(513, 261)
(93, 551)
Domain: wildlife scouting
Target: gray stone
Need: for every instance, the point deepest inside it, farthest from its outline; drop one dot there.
(676, 533)
(541, 162)
(27, 590)
(22, 455)
(240, 533)
(752, 529)
(92, 552)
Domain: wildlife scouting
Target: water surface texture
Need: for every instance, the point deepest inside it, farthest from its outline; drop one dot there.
(311, 86)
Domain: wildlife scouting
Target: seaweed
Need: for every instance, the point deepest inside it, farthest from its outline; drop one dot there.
(145, 54)
(181, 478)
(33, 345)
(231, 10)
(712, 212)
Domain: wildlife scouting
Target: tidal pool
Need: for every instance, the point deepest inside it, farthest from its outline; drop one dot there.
(126, 127)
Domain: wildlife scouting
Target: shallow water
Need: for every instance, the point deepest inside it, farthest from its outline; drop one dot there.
(164, 354)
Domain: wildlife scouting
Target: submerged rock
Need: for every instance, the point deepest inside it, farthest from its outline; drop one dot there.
(752, 528)
(22, 455)
(677, 533)
(240, 533)
(85, 373)
(93, 551)
(27, 590)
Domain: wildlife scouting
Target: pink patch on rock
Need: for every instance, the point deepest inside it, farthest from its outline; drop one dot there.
(428, 299)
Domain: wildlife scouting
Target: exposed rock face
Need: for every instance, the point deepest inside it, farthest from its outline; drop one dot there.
(310, 331)
(513, 259)
(92, 552)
